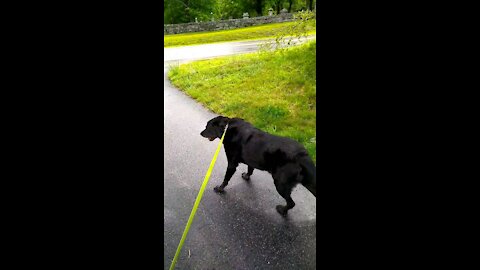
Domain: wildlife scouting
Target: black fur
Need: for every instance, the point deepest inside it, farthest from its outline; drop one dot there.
(285, 159)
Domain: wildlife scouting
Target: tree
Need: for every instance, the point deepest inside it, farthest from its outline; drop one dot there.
(182, 11)
(309, 4)
(290, 3)
(293, 5)
(278, 4)
(258, 7)
(224, 9)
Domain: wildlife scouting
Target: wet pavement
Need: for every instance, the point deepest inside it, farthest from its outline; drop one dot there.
(196, 52)
(239, 229)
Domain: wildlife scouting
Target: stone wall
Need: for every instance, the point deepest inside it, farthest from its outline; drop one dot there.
(225, 24)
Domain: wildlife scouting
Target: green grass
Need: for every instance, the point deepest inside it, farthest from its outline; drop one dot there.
(275, 91)
(247, 33)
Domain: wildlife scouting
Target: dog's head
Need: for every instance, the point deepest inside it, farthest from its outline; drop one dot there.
(215, 128)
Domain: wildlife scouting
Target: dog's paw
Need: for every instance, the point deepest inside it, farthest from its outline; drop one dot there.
(281, 210)
(218, 189)
(246, 176)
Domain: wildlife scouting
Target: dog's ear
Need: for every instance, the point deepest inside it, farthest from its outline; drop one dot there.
(223, 122)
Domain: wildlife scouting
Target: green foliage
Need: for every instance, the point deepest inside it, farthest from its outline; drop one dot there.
(225, 9)
(304, 24)
(275, 90)
(182, 11)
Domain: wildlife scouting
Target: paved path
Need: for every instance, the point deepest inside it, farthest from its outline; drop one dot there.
(241, 228)
(196, 52)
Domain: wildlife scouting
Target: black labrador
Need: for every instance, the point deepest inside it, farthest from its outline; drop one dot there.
(285, 159)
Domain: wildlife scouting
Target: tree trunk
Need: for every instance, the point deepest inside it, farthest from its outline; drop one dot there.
(309, 4)
(258, 7)
(290, 2)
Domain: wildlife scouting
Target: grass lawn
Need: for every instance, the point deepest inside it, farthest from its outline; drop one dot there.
(275, 91)
(246, 33)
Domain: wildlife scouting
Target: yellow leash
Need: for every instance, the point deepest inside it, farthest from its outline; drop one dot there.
(197, 201)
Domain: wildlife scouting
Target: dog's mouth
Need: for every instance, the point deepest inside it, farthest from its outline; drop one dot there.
(211, 139)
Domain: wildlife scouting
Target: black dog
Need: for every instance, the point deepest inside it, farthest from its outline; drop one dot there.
(285, 159)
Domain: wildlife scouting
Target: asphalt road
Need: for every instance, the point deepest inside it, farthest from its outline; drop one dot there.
(175, 55)
(239, 229)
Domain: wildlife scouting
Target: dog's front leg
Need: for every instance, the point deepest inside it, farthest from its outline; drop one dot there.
(230, 171)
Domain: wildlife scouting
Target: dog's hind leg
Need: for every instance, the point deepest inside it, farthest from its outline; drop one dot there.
(232, 167)
(247, 175)
(285, 192)
(285, 180)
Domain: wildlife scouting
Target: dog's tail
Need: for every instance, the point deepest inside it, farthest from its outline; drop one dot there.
(309, 174)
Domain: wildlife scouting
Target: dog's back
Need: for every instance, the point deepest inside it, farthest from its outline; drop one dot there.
(286, 160)
(269, 152)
